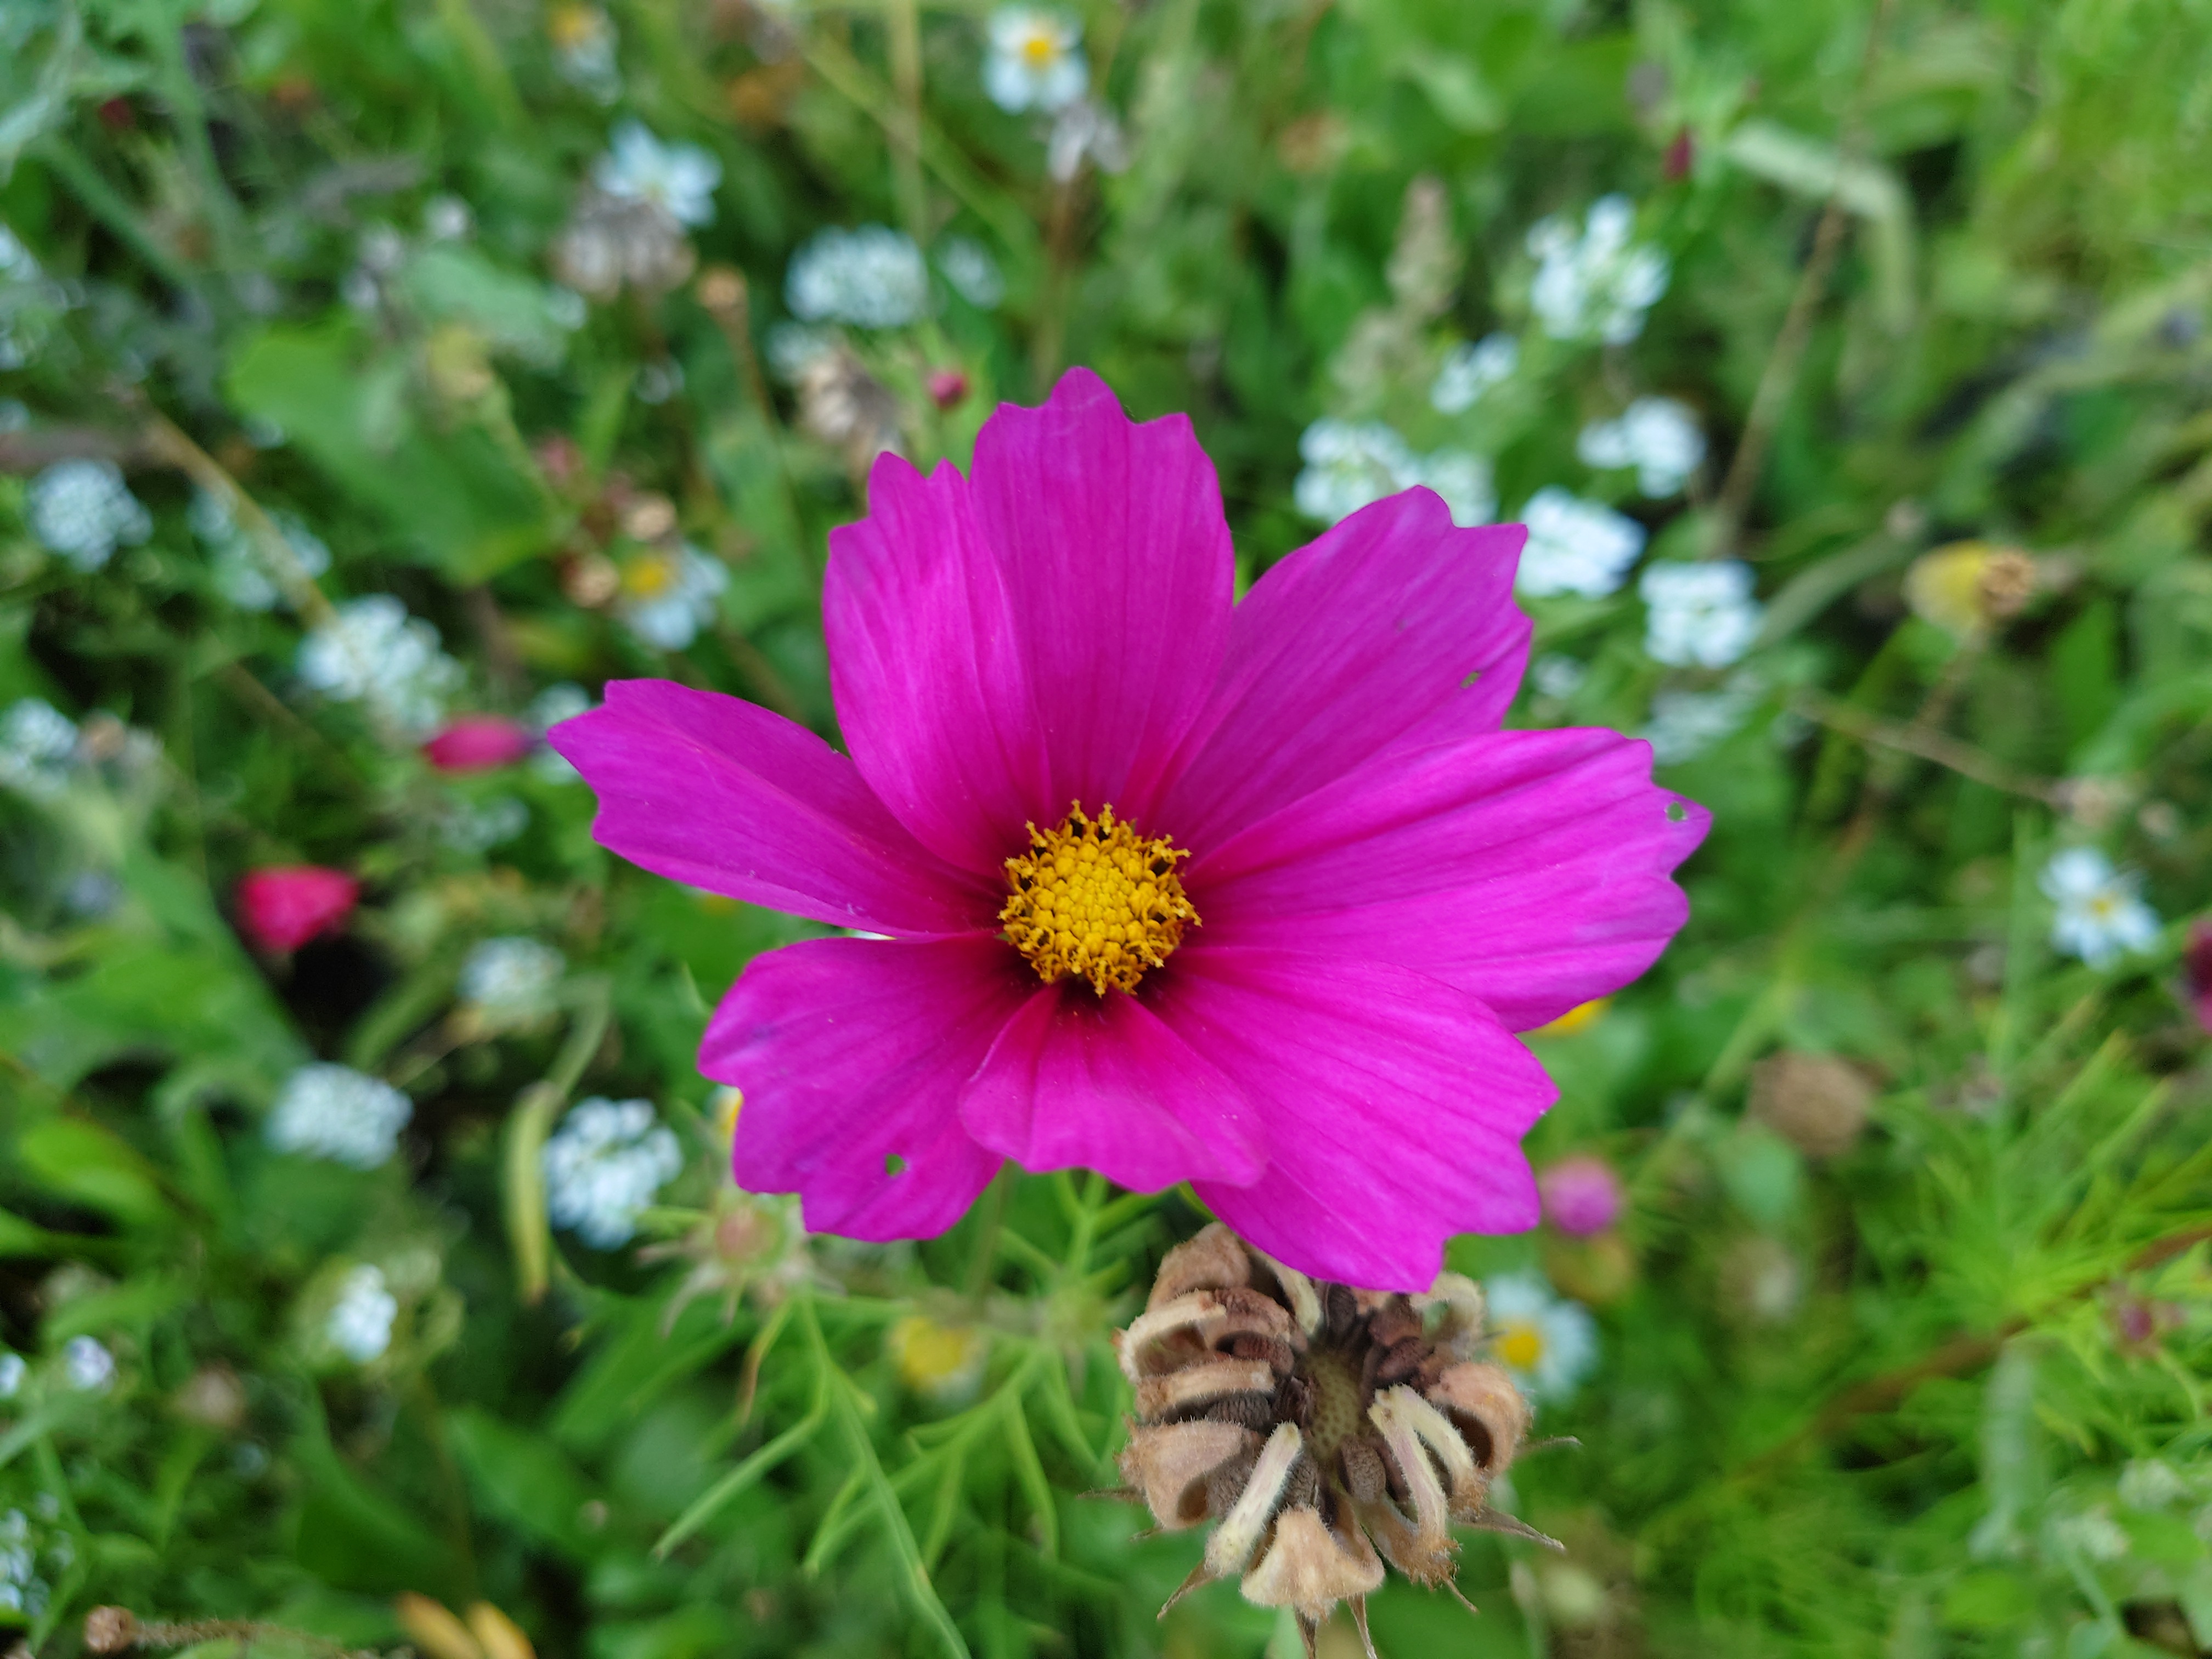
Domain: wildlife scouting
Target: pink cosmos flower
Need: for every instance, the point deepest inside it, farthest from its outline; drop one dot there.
(477, 743)
(1581, 1194)
(281, 907)
(1307, 891)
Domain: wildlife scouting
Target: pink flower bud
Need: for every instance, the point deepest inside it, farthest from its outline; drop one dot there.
(2198, 963)
(947, 386)
(282, 909)
(476, 743)
(1581, 1195)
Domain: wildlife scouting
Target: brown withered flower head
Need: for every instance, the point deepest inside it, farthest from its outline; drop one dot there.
(611, 242)
(1325, 1431)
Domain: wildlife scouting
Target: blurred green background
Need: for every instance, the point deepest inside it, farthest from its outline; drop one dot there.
(368, 367)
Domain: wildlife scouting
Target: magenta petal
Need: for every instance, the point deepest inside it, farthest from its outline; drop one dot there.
(711, 791)
(1120, 572)
(1395, 1107)
(851, 1054)
(1349, 641)
(1081, 1081)
(1530, 869)
(926, 668)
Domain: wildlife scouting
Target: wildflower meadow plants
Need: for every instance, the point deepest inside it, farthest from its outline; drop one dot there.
(1104, 829)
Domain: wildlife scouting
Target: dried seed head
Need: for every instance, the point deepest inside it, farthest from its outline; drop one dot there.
(1816, 1103)
(614, 241)
(845, 406)
(110, 1630)
(1327, 1430)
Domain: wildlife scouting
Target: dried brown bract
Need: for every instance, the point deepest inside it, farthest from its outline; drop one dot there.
(1328, 1432)
(613, 242)
(845, 406)
(1816, 1103)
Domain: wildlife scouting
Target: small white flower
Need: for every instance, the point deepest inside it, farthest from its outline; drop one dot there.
(1576, 546)
(1348, 466)
(242, 574)
(1684, 725)
(373, 651)
(337, 1112)
(548, 709)
(1701, 615)
(37, 743)
(88, 1365)
(681, 178)
(584, 42)
(447, 219)
(1085, 130)
(1463, 479)
(974, 274)
(1559, 675)
(603, 1167)
(479, 826)
(2101, 914)
(1035, 60)
(1472, 369)
(871, 277)
(511, 978)
(1657, 436)
(13, 1368)
(359, 1322)
(669, 595)
(82, 510)
(1548, 1342)
(1599, 284)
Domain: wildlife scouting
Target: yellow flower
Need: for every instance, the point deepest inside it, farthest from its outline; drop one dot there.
(1963, 587)
(1575, 1019)
(943, 1362)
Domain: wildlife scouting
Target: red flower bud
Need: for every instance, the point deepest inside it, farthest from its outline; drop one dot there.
(1679, 155)
(2198, 964)
(282, 909)
(947, 386)
(477, 743)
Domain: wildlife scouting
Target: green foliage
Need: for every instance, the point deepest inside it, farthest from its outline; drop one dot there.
(1939, 275)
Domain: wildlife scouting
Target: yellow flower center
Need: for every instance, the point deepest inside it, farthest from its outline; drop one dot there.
(1094, 900)
(649, 577)
(1521, 1345)
(1041, 49)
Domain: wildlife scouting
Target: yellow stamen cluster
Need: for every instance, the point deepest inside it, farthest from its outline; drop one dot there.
(1094, 900)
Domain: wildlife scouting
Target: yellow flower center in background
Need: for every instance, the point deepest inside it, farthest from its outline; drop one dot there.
(1521, 1345)
(1041, 49)
(1094, 900)
(649, 576)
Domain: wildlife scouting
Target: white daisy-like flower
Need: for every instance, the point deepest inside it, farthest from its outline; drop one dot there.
(974, 274)
(12, 1370)
(511, 978)
(1576, 546)
(2101, 914)
(373, 651)
(337, 1112)
(680, 178)
(87, 1366)
(1657, 436)
(359, 1322)
(584, 49)
(1463, 479)
(1471, 369)
(1036, 59)
(38, 743)
(871, 276)
(1348, 465)
(603, 1167)
(82, 510)
(1548, 1342)
(1597, 285)
(1700, 615)
(1684, 725)
(669, 594)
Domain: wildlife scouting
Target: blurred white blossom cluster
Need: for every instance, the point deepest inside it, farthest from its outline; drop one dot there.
(334, 1112)
(1576, 546)
(82, 510)
(511, 979)
(372, 651)
(240, 570)
(1656, 436)
(871, 276)
(1472, 369)
(1350, 465)
(1595, 284)
(38, 746)
(603, 1167)
(1700, 616)
(360, 1318)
